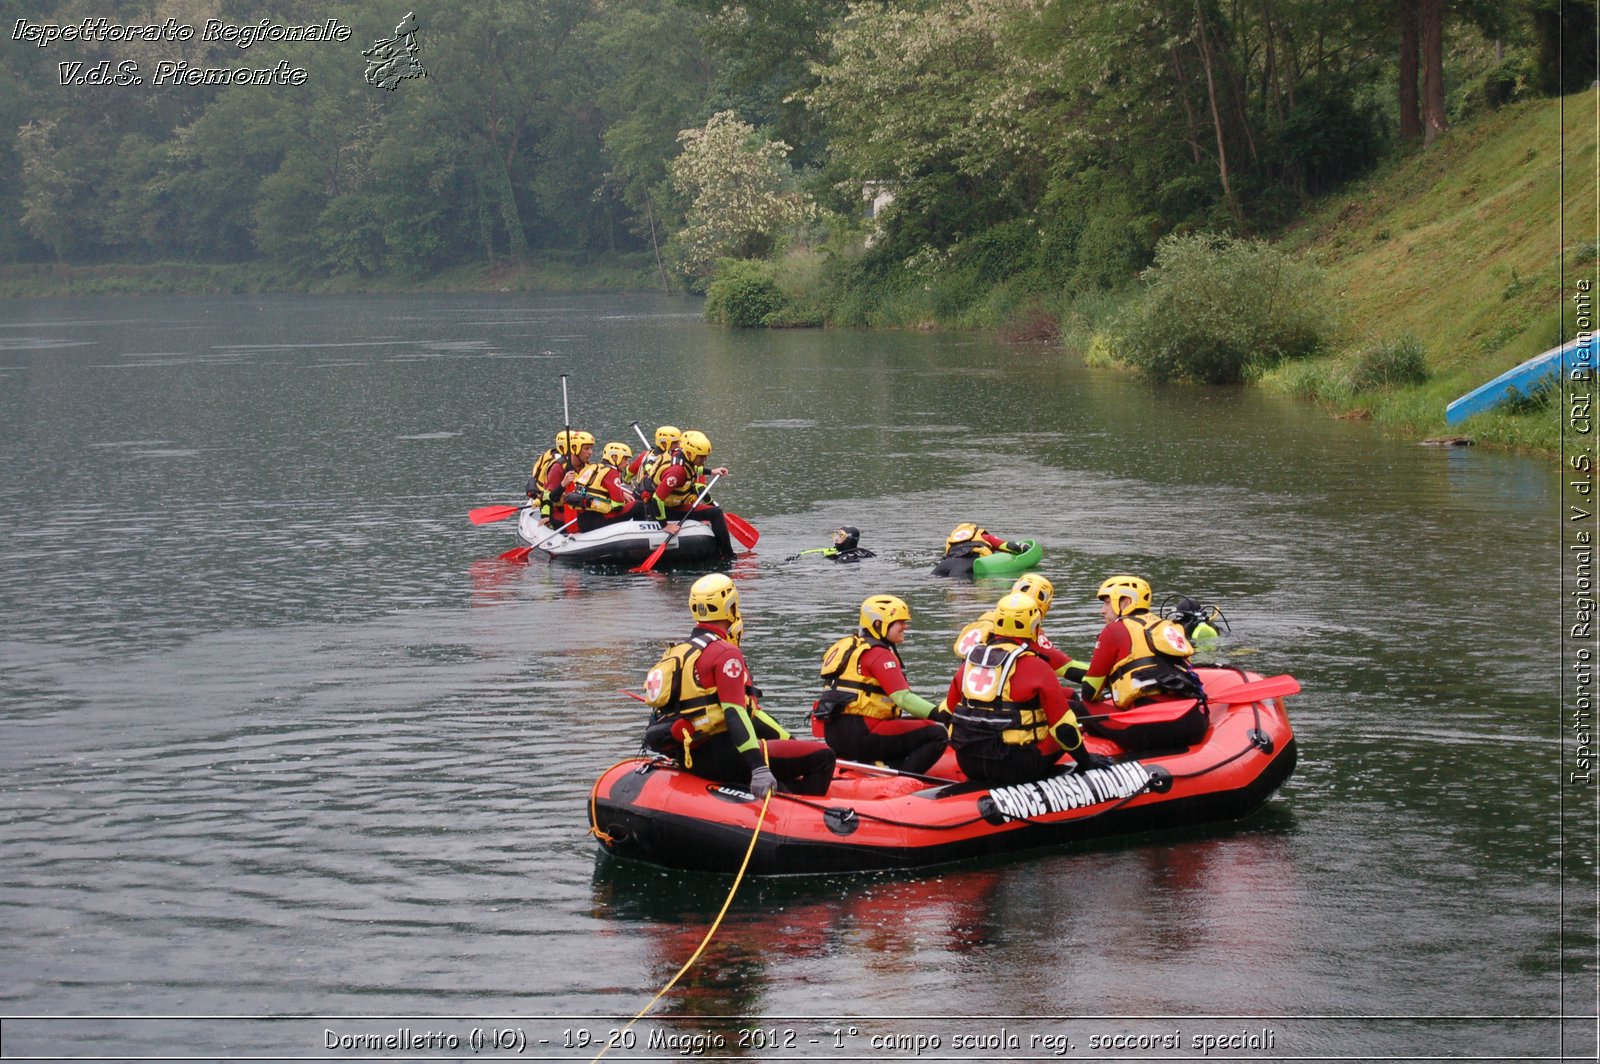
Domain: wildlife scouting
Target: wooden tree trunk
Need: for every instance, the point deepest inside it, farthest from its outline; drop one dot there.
(1191, 125)
(1216, 110)
(1410, 110)
(650, 220)
(1271, 79)
(1433, 119)
(485, 216)
(511, 215)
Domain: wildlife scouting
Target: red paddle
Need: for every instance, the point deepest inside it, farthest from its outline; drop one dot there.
(519, 554)
(1159, 712)
(655, 555)
(1154, 713)
(484, 515)
(742, 530)
(1255, 690)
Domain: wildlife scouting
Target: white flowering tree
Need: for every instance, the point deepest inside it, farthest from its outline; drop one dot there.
(741, 193)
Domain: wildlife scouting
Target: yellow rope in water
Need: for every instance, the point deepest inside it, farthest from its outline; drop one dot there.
(737, 879)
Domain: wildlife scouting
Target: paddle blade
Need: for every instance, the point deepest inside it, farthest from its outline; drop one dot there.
(742, 530)
(516, 554)
(1255, 691)
(484, 515)
(650, 562)
(1153, 713)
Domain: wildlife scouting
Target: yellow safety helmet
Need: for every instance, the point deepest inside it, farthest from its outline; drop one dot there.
(617, 454)
(963, 532)
(1121, 587)
(667, 436)
(880, 611)
(1016, 616)
(570, 442)
(714, 598)
(695, 445)
(1042, 591)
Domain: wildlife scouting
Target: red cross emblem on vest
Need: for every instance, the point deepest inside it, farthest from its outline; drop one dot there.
(1179, 640)
(979, 682)
(652, 685)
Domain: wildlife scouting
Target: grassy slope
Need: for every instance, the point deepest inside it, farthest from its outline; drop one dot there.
(1463, 247)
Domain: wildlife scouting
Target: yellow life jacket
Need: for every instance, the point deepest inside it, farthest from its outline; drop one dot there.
(986, 709)
(591, 485)
(841, 668)
(683, 496)
(673, 693)
(541, 467)
(1156, 663)
(966, 540)
(653, 461)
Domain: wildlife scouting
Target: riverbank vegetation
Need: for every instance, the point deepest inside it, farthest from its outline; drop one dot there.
(1346, 201)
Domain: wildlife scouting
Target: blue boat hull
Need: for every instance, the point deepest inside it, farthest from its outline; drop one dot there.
(1524, 379)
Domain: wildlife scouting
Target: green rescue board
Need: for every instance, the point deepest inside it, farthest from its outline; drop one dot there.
(1002, 564)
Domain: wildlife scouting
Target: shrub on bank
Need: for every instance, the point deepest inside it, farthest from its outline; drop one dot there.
(1219, 311)
(744, 293)
(1392, 364)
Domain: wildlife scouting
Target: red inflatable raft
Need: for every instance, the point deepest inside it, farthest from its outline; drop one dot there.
(649, 809)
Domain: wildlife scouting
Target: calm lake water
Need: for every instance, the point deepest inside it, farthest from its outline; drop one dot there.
(293, 765)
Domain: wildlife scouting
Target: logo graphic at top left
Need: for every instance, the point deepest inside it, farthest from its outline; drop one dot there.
(394, 59)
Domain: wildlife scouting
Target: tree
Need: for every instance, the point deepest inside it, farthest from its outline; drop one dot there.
(765, 55)
(937, 101)
(512, 62)
(50, 187)
(1566, 34)
(1410, 49)
(1421, 26)
(741, 191)
(656, 78)
(1431, 16)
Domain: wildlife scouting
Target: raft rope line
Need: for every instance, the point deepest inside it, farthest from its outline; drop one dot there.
(712, 930)
(1255, 709)
(716, 924)
(594, 799)
(883, 819)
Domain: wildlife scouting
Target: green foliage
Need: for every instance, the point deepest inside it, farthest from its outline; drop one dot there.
(744, 293)
(1509, 81)
(1085, 315)
(1312, 380)
(1033, 147)
(760, 57)
(1331, 135)
(999, 252)
(1391, 364)
(1219, 311)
